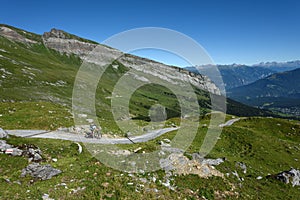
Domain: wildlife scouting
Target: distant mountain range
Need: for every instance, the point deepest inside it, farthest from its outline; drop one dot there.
(233, 75)
(279, 91)
(270, 85)
(280, 66)
(237, 75)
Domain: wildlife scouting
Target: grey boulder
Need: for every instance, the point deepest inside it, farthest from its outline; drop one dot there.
(291, 176)
(16, 152)
(4, 145)
(38, 171)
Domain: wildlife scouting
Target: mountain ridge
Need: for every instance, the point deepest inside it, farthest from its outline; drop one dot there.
(233, 75)
(277, 91)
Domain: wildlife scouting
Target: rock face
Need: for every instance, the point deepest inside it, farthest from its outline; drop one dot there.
(291, 176)
(90, 52)
(3, 134)
(62, 42)
(14, 35)
(38, 171)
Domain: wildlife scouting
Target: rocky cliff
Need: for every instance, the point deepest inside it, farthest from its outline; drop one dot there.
(70, 44)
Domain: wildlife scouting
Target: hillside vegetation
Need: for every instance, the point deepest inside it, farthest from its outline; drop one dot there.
(265, 145)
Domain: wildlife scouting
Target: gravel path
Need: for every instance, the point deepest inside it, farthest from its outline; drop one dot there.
(80, 138)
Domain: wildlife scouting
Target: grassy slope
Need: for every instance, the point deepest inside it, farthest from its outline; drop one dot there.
(258, 142)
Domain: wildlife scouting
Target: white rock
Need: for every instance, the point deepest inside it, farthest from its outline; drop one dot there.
(79, 147)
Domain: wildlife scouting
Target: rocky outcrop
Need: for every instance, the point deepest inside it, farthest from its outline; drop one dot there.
(34, 154)
(62, 42)
(14, 35)
(178, 163)
(208, 161)
(9, 149)
(38, 171)
(102, 55)
(291, 176)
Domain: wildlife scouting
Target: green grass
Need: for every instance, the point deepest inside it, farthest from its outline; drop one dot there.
(258, 142)
(79, 170)
(34, 115)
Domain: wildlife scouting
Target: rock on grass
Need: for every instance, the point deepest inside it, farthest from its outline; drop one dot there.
(38, 171)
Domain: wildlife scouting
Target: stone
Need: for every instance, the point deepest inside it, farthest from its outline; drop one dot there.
(46, 197)
(74, 191)
(31, 151)
(79, 147)
(153, 179)
(242, 166)
(166, 140)
(16, 152)
(291, 176)
(14, 35)
(136, 150)
(206, 170)
(3, 133)
(236, 175)
(172, 150)
(4, 145)
(165, 144)
(37, 157)
(38, 171)
(33, 154)
(213, 162)
(166, 164)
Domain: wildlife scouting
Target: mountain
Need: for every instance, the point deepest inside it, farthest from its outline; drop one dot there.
(235, 75)
(43, 68)
(37, 74)
(280, 91)
(280, 66)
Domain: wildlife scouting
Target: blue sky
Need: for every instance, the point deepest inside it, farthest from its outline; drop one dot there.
(240, 31)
